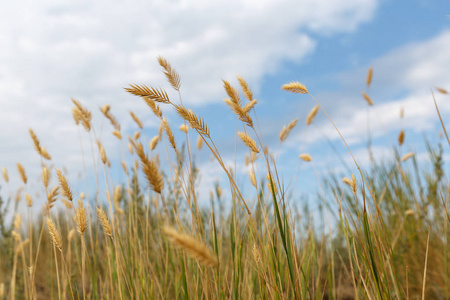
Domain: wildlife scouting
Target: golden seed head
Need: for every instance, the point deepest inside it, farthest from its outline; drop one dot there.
(22, 174)
(184, 128)
(401, 137)
(5, 174)
(407, 156)
(81, 218)
(66, 191)
(199, 143)
(367, 98)
(117, 134)
(54, 234)
(305, 157)
(312, 114)
(295, 87)
(17, 221)
(369, 77)
(28, 200)
(248, 141)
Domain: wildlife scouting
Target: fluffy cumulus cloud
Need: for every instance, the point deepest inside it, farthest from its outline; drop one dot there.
(52, 51)
(408, 72)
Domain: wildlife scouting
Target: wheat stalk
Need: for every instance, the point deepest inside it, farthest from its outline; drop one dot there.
(193, 248)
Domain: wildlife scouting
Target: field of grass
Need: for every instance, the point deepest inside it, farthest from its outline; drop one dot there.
(384, 235)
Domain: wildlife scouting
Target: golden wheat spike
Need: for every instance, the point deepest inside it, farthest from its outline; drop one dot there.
(54, 234)
(295, 87)
(22, 173)
(247, 92)
(287, 129)
(312, 114)
(441, 90)
(305, 157)
(66, 191)
(367, 98)
(401, 137)
(5, 174)
(407, 156)
(248, 141)
(81, 218)
(369, 76)
(104, 221)
(152, 93)
(169, 134)
(136, 120)
(193, 248)
(171, 74)
(196, 122)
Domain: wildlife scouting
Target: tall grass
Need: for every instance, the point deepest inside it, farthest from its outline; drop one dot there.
(384, 234)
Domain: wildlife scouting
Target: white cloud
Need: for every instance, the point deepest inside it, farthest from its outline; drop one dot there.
(410, 72)
(52, 51)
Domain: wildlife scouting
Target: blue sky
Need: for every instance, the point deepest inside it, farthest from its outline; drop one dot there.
(52, 51)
